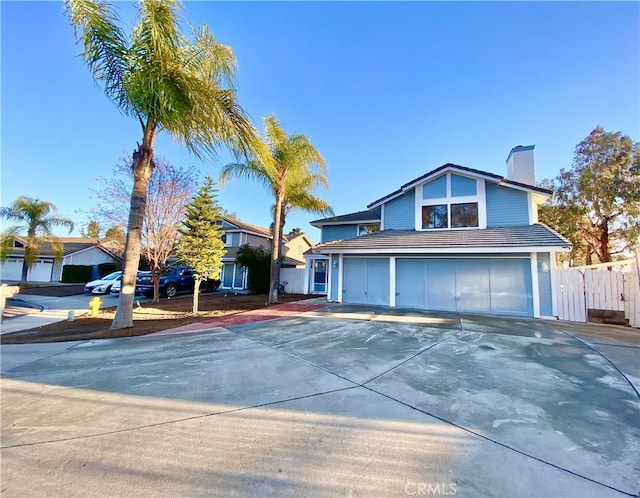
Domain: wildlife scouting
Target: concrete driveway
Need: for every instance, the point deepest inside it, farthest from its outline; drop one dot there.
(345, 400)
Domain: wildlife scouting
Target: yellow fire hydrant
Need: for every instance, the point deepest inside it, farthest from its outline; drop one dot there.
(94, 304)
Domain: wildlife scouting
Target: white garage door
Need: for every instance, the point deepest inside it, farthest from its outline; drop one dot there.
(366, 281)
(476, 285)
(41, 271)
(11, 269)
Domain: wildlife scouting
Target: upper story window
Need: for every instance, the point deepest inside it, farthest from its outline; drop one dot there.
(451, 201)
(17, 243)
(368, 228)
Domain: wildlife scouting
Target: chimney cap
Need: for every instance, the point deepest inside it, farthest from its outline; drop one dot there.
(520, 148)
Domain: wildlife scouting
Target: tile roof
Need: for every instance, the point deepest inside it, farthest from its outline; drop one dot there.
(537, 235)
(70, 245)
(247, 226)
(369, 215)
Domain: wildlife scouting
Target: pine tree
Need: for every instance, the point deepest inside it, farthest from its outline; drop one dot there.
(200, 245)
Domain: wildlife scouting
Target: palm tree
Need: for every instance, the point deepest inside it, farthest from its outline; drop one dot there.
(167, 82)
(300, 197)
(37, 218)
(289, 166)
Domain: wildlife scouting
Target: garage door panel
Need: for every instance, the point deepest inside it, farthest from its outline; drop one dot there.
(378, 281)
(354, 286)
(441, 282)
(473, 285)
(411, 283)
(511, 286)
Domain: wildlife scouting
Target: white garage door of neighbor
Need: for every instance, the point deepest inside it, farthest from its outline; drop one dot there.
(498, 285)
(41, 272)
(11, 269)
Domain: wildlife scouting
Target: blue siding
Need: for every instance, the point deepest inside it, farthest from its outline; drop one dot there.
(338, 232)
(333, 269)
(461, 186)
(506, 206)
(399, 213)
(544, 284)
(435, 188)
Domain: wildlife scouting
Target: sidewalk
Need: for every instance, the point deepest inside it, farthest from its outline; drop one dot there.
(47, 309)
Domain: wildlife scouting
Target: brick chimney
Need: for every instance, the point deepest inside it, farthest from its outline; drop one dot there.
(521, 165)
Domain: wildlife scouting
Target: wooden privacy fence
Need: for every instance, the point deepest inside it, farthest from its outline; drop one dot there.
(597, 295)
(295, 280)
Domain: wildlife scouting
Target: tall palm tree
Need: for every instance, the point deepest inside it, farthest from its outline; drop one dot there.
(167, 81)
(37, 218)
(300, 197)
(289, 166)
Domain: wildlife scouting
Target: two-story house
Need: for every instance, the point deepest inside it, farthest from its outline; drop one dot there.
(238, 233)
(454, 239)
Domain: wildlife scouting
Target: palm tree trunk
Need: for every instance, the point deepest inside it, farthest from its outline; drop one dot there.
(142, 170)
(25, 271)
(283, 220)
(275, 251)
(31, 250)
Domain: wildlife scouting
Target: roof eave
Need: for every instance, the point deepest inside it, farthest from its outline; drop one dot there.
(443, 250)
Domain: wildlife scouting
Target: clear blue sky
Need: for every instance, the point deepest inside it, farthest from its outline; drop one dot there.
(386, 92)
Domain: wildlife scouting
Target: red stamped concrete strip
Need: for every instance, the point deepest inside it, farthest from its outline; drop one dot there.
(259, 315)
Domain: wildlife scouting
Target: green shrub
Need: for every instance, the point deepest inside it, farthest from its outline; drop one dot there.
(105, 269)
(76, 274)
(257, 260)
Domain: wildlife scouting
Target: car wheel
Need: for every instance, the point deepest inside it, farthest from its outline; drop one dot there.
(108, 289)
(170, 290)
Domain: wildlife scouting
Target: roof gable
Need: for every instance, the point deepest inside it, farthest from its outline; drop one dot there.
(450, 167)
(247, 227)
(71, 245)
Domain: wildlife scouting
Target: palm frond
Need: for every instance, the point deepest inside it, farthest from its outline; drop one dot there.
(251, 170)
(6, 242)
(212, 61)
(106, 49)
(275, 135)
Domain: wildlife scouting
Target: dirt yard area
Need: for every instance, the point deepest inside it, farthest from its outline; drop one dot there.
(148, 318)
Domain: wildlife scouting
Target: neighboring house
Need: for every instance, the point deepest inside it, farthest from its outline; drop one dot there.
(77, 251)
(238, 233)
(294, 245)
(454, 239)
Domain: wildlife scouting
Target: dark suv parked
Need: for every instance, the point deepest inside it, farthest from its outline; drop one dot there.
(173, 280)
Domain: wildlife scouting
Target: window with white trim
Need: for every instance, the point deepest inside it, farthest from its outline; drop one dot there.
(449, 201)
(368, 228)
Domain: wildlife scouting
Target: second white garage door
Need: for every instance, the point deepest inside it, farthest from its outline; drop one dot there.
(498, 285)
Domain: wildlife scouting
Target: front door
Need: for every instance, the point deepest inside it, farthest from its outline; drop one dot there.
(320, 276)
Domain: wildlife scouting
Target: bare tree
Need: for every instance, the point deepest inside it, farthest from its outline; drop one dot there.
(170, 190)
